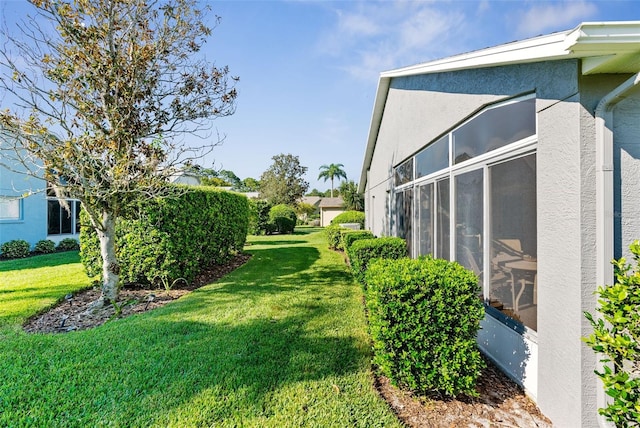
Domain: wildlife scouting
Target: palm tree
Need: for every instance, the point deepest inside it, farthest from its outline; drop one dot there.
(332, 171)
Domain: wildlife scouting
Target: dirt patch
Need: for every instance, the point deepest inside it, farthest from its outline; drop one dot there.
(70, 314)
(501, 402)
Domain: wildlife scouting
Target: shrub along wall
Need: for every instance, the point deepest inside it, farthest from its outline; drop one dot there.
(333, 235)
(362, 251)
(173, 238)
(424, 315)
(349, 236)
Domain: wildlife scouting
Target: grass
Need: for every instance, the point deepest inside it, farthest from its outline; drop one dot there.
(30, 285)
(279, 342)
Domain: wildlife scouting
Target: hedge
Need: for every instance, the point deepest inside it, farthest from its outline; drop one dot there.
(349, 236)
(258, 217)
(349, 217)
(424, 315)
(173, 237)
(362, 251)
(333, 235)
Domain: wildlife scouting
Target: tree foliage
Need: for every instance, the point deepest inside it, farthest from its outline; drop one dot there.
(331, 172)
(102, 92)
(283, 182)
(353, 200)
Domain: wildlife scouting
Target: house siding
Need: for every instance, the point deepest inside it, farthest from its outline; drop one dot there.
(421, 108)
(32, 226)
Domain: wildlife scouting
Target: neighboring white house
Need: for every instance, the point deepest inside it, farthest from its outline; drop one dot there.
(521, 162)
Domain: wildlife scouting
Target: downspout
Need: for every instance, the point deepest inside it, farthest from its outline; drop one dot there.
(604, 193)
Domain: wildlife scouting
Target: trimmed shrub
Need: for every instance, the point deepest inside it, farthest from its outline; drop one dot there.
(16, 249)
(45, 246)
(616, 339)
(283, 217)
(349, 236)
(350, 217)
(270, 228)
(362, 251)
(174, 237)
(68, 244)
(258, 217)
(333, 235)
(424, 315)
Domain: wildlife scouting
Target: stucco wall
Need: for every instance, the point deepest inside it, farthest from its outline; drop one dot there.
(626, 174)
(327, 214)
(32, 227)
(421, 108)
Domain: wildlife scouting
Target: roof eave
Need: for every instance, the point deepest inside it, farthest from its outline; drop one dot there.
(596, 42)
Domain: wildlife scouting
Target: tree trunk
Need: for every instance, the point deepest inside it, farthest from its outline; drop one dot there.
(110, 265)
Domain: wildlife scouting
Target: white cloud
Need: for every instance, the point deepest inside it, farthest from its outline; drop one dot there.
(371, 37)
(544, 17)
(356, 24)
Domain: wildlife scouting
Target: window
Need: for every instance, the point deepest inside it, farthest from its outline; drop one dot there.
(469, 220)
(425, 220)
(433, 158)
(10, 208)
(443, 219)
(404, 172)
(494, 128)
(513, 284)
(403, 216)
(482, 213)
(61, 221)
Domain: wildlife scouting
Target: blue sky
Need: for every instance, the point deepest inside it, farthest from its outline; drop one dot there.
(309, 69)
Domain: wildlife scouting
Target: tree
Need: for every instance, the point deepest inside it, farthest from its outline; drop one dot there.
(102, 92)
(353, 201)
(250, 185)
(232, 178)
(304, 210)
(283, 182)
(331, 172)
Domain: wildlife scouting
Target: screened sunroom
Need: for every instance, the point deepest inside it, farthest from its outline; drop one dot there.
(519, 162)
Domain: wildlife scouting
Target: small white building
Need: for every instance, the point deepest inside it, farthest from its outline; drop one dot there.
(521, 162)
(330, 208)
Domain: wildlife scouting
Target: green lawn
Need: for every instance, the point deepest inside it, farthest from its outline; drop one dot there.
(279, 342)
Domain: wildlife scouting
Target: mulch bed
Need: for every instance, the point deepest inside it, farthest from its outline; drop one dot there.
(501, 403)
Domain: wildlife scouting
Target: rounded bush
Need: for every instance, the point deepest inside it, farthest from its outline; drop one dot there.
(45, 246)
(350, 217)
(284, 217)
(424, 315)
(16, 249)
(68, 244)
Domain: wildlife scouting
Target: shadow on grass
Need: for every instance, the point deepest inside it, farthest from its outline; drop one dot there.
(165, 368)
(273, 242)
